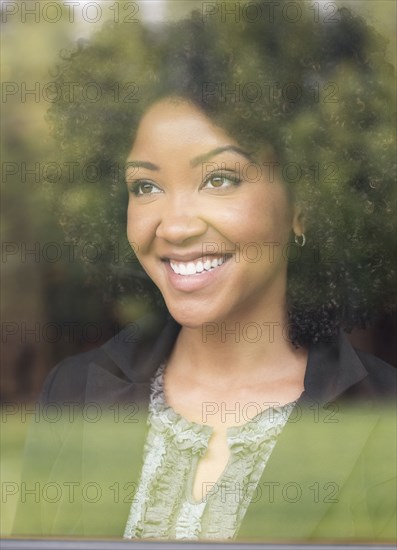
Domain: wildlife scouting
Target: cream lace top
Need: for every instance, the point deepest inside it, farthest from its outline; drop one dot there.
(163, 507)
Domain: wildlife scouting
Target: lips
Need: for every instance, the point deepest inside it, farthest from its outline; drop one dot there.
(204, 263)
(196, 274)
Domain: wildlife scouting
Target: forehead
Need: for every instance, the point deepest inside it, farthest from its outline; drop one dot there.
(171, 124)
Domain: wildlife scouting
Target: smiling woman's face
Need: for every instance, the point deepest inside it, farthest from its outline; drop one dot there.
(208, 226)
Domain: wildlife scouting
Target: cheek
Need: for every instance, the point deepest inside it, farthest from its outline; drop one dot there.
(136, 232)
(137, 223)
(142, 222)
(262, 218)
(131, 223)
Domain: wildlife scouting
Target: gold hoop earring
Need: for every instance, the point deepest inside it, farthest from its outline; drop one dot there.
(300, 243)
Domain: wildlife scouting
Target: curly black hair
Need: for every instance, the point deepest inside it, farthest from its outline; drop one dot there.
(319, 92)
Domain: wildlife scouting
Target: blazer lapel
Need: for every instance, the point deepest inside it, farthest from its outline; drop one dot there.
(118, 389)
(112, 451)
(308, 472)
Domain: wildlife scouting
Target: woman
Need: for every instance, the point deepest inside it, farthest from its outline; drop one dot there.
(251, 188)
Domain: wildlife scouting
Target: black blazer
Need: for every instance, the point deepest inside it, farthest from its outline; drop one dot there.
(330, 475)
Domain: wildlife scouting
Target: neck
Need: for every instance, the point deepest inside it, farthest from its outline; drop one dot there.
(237, 349)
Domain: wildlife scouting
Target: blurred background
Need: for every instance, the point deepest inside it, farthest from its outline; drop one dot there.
(48, 308)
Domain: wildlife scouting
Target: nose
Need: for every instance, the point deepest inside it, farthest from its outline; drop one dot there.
(180, 222)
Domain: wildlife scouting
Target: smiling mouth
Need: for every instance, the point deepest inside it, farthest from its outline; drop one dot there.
(198, 266)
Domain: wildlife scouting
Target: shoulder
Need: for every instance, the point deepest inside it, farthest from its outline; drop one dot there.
(336, 370)
(68, 379)
(130, 357)
(377, 382)
(381, 376)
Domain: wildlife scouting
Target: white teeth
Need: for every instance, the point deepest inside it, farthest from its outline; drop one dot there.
(191, 268)
(175, 267)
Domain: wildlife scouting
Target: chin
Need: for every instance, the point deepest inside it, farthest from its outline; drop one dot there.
(191, 318)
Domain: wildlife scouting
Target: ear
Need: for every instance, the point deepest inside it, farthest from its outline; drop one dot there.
(298, 220)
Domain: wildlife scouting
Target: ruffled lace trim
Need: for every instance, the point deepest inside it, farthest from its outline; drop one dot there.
(189, 520)
(251, 445)
(183, 433)
(163, 507)
(154, 455)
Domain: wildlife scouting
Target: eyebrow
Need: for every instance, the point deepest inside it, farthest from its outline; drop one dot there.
(202, 158)
(194, 162)
(141, 164)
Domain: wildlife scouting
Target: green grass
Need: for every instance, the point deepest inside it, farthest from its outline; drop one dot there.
(12, 438)
(326, 447)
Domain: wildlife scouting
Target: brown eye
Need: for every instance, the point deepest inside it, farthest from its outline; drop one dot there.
(218, 181)
(144, 188)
